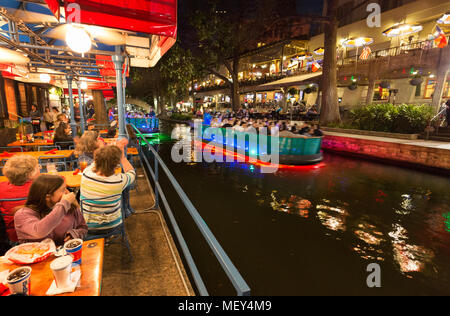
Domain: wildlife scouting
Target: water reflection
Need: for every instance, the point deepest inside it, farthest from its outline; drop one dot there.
(292, 205)
(411, 258)
(332, 217)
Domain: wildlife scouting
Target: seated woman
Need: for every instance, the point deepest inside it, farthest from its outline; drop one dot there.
(63, 135)
(100, 181)
(60, 118)
(50, 212)
(20, 172)
(86, 145)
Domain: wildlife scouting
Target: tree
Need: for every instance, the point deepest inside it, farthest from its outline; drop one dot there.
(222, 36)
(167, 82)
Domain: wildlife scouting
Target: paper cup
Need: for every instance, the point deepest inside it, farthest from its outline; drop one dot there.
(61, 268)
(74, 250)
(19, 281)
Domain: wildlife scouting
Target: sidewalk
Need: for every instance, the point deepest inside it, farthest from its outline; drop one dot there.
(157, 269)
(428, 154)
(416, 142)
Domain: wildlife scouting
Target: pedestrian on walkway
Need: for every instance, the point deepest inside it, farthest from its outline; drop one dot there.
(447, 114)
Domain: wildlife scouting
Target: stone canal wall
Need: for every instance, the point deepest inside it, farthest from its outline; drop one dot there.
(427, 154)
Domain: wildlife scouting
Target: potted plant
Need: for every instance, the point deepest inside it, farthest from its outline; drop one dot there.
(385, 84)
(292, 91)
(353, 86)
(416, 80)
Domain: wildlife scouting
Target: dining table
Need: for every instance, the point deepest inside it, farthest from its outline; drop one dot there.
(91, 271)
(39, 154)
(36, 142)
(72, 180)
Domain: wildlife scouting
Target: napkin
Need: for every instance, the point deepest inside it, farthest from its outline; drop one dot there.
(6, 154)
(75, 278)
(3, 286)
(53, 151)
(76, 172)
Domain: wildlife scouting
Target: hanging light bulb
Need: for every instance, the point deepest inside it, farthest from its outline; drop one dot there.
(45, 78)
(78, 39)
(84, 85)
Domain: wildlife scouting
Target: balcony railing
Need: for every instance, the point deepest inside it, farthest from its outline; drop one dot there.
(412, 49)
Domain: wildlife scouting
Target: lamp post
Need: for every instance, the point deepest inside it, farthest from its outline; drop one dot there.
(81, 105)
(73, 124)
(118, 60)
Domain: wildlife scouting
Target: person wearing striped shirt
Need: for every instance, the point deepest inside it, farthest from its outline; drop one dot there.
(101, 188)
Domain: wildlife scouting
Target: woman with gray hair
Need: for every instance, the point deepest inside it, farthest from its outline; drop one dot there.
(20, 170)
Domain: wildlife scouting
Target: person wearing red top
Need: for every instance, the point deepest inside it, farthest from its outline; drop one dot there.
(20, 171)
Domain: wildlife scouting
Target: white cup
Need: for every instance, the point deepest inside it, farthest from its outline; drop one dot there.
(21, 284)
(61, 268)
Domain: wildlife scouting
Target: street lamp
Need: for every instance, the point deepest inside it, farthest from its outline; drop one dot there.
(78, 39)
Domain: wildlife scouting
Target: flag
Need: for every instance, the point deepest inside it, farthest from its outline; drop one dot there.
(365, 53)
(439, 37)
(315, 66)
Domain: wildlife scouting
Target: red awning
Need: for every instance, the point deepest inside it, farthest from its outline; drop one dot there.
(108, 94)
(107, 66)
(53, 5)
(157, 17)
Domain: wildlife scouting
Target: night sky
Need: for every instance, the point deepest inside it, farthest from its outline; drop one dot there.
(239, 8)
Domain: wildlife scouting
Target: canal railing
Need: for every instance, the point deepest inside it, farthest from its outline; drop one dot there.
(227, 265)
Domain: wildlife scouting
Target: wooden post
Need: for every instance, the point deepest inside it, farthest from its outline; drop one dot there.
(441, 78)
(101, 114)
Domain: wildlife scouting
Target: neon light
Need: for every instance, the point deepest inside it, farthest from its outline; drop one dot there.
(258, 162)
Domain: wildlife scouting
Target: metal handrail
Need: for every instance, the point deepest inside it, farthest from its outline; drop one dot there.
(231, 271)
(431, 120)
(437, 115)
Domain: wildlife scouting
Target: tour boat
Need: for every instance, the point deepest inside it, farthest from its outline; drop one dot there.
(292, 150)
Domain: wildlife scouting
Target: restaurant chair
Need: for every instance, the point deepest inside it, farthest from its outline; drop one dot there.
(64, 145)
(48, 148)
(117, 231)
(60, 165)
(11, 149)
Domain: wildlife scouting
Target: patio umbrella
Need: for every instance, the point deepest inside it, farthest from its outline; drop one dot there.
(319, 51)
(11, 56)
(402, 30)
(445, 19)
(357, 42)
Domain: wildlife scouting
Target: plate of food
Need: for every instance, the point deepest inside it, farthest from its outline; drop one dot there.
(31, 252)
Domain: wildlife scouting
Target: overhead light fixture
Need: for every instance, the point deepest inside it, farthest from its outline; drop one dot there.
(84, 85)
(45, 78)
(78, 39)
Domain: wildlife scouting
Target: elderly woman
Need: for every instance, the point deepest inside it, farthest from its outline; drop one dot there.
(86, 145)
(20, 171)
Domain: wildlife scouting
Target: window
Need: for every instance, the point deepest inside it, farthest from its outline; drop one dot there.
(381, 94)
(429, 89)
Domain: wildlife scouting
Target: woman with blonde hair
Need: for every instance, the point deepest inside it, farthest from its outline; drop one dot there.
(20, 171)
(87, 145)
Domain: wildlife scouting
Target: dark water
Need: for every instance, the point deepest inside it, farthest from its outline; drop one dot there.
(314, 231)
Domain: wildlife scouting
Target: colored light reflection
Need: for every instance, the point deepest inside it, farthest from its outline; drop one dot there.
(244, 158)
(447, 221)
